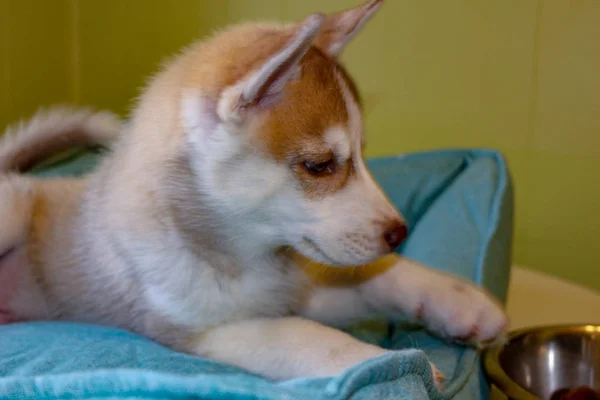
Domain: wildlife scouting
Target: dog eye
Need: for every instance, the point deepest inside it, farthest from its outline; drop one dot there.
(321, 168)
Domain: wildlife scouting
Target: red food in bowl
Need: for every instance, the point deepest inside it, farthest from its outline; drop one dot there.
(580, 393)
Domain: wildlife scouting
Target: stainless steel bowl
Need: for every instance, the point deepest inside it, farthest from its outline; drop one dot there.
(535, 362)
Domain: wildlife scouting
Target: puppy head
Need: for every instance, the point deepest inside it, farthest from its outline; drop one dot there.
(277, 136)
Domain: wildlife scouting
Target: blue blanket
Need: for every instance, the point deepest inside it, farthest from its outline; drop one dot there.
(459, 204)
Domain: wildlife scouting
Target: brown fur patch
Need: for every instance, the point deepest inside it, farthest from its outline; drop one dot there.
(325, 275)
(294, 129)
(230, 56)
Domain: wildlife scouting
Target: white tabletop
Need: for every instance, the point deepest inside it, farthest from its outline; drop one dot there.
(535, 298)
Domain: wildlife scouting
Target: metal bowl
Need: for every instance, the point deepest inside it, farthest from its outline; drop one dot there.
(535, 362)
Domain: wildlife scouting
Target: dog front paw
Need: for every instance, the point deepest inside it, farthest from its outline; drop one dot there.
(461, 311)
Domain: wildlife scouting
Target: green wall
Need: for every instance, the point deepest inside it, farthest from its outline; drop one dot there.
(520, 76)
(35, 56)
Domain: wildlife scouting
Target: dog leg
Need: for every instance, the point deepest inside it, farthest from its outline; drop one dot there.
(16, 203)
(283, 348)
(449, 306)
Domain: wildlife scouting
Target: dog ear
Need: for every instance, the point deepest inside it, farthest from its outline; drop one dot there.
(341, 27)
(265, 86)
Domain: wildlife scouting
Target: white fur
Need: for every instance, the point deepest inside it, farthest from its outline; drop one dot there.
(339, 142)
(449, 306)
(285, 348)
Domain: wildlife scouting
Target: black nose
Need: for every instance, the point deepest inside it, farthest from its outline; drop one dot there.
(396, 235)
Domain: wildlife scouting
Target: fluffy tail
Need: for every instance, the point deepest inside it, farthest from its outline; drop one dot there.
(53, 131)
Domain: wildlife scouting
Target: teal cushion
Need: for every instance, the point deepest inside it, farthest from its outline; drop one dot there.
(459, 206)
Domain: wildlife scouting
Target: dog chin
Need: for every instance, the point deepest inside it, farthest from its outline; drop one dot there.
(313, 251)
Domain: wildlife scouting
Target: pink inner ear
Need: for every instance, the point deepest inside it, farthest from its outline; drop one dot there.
(266, 85)
(275, 90)
(269, 100)
(340, 28)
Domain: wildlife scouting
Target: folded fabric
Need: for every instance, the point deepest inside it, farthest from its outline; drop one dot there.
(459, 207)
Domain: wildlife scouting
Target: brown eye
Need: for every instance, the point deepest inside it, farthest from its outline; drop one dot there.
(321, 168)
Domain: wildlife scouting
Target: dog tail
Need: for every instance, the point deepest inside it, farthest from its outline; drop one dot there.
(53, 131)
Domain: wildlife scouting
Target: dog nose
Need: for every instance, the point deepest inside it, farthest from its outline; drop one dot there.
(396, 235)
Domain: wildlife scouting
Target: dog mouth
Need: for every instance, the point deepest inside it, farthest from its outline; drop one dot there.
(314, 248)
